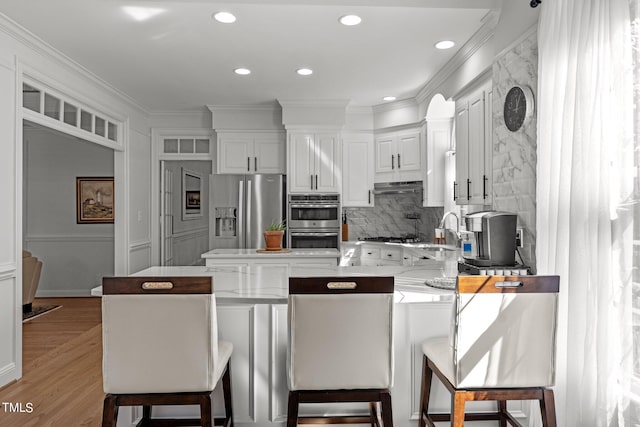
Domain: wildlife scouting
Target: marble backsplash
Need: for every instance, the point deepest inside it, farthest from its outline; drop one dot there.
(389, 218)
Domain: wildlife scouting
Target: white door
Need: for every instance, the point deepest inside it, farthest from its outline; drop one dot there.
(166, 215)
(357, 171)
(327, 163)
(268, 156)
(301, 157)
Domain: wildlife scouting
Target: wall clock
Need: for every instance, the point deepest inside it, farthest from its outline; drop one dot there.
(518, 107)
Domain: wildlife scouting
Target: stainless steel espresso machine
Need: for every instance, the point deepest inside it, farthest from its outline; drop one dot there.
(494, 234)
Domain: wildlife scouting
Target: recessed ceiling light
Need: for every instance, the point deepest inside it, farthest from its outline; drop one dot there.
(445, 44)
(350, 20)
(224, 17)
(304, 71)
(242, 71)
(389, 98)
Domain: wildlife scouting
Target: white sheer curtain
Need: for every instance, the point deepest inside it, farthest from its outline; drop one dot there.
(584, 215)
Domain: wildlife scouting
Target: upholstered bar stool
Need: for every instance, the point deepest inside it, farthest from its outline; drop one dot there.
(502, 348)
(341, 346)
(160, 347)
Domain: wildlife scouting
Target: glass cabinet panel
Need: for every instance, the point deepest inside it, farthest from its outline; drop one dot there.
(100, 126)
(31, 98)
(170, 145)
(202, 145)
(70, 114)
(186, 146)
(51, 106)
(112, 131)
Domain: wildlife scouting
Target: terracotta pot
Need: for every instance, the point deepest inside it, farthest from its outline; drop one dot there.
(273, 240)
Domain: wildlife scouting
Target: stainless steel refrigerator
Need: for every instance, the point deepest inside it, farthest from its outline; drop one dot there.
(241, 207)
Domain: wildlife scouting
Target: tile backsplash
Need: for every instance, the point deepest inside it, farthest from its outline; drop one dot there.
(389, 217)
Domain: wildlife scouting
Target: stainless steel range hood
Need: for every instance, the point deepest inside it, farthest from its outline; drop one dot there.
(397, 187)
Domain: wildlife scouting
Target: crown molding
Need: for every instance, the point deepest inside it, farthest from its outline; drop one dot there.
(395, 105)
(486, 31)
(33, 42)
(270, 106)
(314, 103)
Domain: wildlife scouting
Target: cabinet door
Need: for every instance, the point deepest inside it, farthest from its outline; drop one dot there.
(408, 152)
(462, 154)
(301, 160)
(437, 144)
(357, 171)
(385, 149)
(488, 147)
(326, 163)
(268, 155)
(477, 184)
(235, 155)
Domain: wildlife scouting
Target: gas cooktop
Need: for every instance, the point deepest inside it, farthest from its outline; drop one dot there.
(391, 239)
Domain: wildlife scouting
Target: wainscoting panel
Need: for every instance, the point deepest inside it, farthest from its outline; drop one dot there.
(188, 246)
(139, 256)
(9, 328)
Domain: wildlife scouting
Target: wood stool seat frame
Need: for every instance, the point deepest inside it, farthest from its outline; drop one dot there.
(460, 395)
(379, 399)
(113, 401)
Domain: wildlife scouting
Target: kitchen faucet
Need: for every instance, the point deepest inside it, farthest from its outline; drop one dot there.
(442, 225)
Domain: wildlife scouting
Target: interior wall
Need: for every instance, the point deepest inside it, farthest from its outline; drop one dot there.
(75, 256)
(190, 236)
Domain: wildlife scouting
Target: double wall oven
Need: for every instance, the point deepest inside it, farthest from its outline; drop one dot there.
(313, 221)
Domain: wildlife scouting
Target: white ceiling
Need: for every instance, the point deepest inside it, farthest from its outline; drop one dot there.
(181, 59)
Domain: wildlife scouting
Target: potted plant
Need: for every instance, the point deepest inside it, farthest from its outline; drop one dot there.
(273, 236)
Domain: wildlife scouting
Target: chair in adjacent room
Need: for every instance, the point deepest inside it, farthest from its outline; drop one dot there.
(31, 269)
(160, 347)
(502, 347)
(341, 346)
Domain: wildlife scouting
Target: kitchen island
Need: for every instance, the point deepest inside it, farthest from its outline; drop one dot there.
(252, 314)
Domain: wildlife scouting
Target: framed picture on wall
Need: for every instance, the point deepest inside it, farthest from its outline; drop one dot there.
(94, 200)
(191, 194)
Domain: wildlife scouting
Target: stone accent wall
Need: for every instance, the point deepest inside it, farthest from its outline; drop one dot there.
(514, 153)
(388, 218)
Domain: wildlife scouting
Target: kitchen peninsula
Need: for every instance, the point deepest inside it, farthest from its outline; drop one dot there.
(252, 314)
(291, 257)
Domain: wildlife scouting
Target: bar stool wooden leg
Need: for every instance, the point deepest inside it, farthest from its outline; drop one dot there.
(292, 411)
(387, 415)
(427, 375)
(548, 408)
(206, 416)
(457, 409)
(502, 411)
(110, 411)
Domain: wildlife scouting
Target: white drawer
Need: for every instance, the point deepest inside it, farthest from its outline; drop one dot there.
(391, 254)
(370, 253)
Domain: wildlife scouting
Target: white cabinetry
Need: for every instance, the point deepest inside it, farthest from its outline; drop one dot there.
(474, 147)
(250, 153)
(357, 170)
(398, 156)
(313, 162)
(383, 254)
(438, 136)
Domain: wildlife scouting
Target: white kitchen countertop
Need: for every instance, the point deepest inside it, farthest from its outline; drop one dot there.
(270, 284)
(252, 253)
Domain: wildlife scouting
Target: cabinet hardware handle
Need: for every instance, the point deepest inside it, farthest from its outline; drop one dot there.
(316, 181)
(255, 164)
(484, 186)
(468, 189)
(248, 164)
(455, 184)
(392, 160)
(369, 196)
(311, 181)
(389, 255)
(399, 164)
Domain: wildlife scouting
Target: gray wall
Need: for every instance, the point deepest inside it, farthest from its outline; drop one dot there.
(514, 153)
(75, 257)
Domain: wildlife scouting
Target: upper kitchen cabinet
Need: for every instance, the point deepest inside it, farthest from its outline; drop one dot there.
(398, 156)
(474, 130)
(251, 153)
(357, 169)
(313, 160)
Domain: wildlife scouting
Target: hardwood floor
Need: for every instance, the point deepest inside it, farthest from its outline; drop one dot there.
(62, 373)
